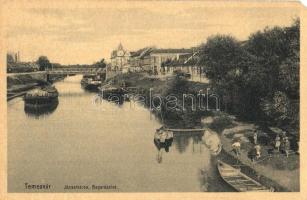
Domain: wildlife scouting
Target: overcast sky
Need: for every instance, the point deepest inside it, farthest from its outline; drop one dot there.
(84, 33)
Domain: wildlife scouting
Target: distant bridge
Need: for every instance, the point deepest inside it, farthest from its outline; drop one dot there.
(76, 70)
(66, 71)
(104, 73)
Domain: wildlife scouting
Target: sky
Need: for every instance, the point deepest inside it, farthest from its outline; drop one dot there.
(82, 32)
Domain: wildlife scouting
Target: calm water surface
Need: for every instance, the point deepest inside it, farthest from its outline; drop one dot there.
(83, 143)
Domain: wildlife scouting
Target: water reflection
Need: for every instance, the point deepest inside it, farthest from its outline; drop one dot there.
(182, 140)
(213, 142)
(37, 112)
(86, 143)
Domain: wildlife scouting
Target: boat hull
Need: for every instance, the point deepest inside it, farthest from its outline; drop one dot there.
(239, 181)
(40, 109)
(90, 86)
(41, 97)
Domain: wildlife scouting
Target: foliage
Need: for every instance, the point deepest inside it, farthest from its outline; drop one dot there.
(220, 55)
(276, 108)
(9, 58)
(220, 123)
(101, 63)
(43, 63)
(258, 78)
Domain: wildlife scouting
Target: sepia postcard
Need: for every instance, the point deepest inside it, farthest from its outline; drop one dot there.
(153, 99)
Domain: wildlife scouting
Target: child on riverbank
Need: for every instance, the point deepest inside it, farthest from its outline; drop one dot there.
(236, 147)
(277, 143)
(255, 137)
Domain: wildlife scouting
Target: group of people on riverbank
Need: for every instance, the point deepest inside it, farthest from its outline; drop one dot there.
(281, 144)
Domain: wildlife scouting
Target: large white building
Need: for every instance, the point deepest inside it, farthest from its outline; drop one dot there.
(120, 58)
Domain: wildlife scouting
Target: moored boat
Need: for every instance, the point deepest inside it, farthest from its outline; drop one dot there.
(41, 97)
(163, 135)
(217, 151)
(109, 91)
(91, 82)
(239, 181)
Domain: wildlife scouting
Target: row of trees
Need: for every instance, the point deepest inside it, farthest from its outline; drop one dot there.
(44, 63)
(257, 79)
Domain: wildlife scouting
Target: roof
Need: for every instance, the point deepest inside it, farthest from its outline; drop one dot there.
(133, 53)
(172, 51)
(114, 53)
(119, 48)
(184, 60)
(141, 53)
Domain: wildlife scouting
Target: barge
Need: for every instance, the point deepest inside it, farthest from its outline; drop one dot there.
(41, 97)
(91, 82)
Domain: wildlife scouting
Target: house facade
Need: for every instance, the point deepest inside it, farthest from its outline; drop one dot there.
(160, 56)
(184, 63)
(148, 59)
(141, 59)
(120, 58)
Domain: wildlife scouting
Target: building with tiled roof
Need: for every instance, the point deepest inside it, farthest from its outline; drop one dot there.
(186, 63)
(141, 60)
(159, 56)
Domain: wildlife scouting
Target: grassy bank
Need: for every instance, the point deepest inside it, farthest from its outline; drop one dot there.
(18, 84)
(21, 83)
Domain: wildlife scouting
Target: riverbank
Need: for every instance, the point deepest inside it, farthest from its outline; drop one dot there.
(172, 99)
(18, 85)
(274, 170)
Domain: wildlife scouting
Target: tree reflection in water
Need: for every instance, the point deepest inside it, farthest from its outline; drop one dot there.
(182, 139)
(42, 110)
(208, 139)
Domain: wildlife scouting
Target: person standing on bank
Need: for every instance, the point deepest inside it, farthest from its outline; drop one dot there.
(255, 137)
(236, 147)
(258, 151)
(286, 146)
(277, 142)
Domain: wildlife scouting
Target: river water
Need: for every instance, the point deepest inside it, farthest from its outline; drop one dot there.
(85, 143)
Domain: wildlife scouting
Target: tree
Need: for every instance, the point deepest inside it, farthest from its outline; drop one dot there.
(10, 58)
(222, 61)
(289, 68)
(219, 56)
(289, 77)
(43, 63)
(100, 64)
(254, 76)
(276, 109)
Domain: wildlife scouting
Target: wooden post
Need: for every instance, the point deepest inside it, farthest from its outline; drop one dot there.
(199, 73)
(48, 77)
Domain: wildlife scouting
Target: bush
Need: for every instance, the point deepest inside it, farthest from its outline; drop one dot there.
(220, 123)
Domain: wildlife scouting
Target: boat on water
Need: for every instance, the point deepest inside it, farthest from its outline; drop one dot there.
(41, 97)
(108, 90)
(216, 151)
(239, 181)
(162, 136)
(91, 82)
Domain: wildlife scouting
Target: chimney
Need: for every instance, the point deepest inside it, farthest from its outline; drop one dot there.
(18, 57)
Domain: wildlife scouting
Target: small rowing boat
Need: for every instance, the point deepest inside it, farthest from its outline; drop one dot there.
(239, 181)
